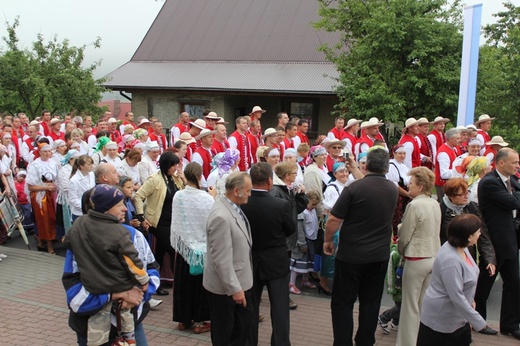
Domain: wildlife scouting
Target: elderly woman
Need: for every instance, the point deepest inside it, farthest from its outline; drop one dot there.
(418, 243)
(128, 167)
(60, 149)
(455, 202)
(474, 147)
(223, 164)
(191, 207)
(158, 192)
(398, 173)
(290, 155)
(77, 136)
(81, 179)
(63, 213)
(315, 177)
(447, 310)
(41, 182)
(475, 170)
(112, 154)
(271, 156)
(331, 194)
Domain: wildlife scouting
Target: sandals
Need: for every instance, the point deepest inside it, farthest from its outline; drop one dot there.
(293, 289)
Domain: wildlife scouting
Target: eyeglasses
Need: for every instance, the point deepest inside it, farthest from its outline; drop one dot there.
(462, 194)
(336, 147)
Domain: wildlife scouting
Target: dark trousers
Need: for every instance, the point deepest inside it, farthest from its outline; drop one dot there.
(392, 314)
(163, 245)
(429, 337)
(278, 291)
(230, 322)
(352, 281)
(510, 306)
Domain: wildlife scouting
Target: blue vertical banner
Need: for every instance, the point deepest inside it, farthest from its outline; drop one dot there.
(469, 65)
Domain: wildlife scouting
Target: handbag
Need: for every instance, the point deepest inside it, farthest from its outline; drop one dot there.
(196, 269)
(119, 341)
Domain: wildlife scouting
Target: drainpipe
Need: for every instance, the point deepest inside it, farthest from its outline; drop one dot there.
(125, 96)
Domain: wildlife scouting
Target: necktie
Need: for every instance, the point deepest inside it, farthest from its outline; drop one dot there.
(509, 187)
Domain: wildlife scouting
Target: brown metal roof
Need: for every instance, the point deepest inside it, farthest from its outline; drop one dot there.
(313, 78)
(243, 45)
(242, 30)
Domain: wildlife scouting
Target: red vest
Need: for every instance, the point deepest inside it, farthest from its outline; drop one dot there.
(30, 143)
(219, 147)
(339, 134)
(330, 162)
(244, 147)
(490, 150)
(288, 143)
(486, 137)
(55, 137)
(303, 137)
(255, 142)
(426, 149)
(440, 138)
(367, 140)
(162, 141)
(191, 149)
(451, 153)
(416, 155)
(45, 128)
(206, 159)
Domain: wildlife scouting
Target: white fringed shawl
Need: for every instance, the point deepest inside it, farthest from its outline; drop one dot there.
(190, 211)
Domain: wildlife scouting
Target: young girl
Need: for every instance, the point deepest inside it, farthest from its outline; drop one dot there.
(127, 186)
(81, 180)
(23, 200)
(302, 259)
(77, 136)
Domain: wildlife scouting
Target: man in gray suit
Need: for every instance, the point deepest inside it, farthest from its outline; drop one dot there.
(228, 273)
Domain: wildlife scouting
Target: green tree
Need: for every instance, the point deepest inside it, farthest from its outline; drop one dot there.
(498, 83)
(48, 76)
(396, 58)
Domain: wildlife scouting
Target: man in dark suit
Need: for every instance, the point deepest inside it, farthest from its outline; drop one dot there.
(499, 201)
(271, 222)
(228, 269)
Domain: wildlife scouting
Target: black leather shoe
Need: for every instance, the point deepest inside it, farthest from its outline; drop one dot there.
(161, 292)
(513, 333)
(488, 331)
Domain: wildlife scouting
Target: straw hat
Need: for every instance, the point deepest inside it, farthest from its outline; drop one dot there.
(352, 122)
(212, 116)
(204, 133)
(441, 120)
(257, 109)
(483, 118)
(370, 123)
(269, 132)
(199, 123)
(332, 141)
(497, 140)
(423, 121)
(186, 138)
(410, 122)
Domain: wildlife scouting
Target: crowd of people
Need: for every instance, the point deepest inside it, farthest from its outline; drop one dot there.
(223, 216)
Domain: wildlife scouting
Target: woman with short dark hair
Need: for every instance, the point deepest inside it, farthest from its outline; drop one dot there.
(158, 192)
(447, 310)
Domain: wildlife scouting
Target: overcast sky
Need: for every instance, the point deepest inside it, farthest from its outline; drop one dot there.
(121, 24)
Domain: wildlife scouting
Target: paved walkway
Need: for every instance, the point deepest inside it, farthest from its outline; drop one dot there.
(33, 311)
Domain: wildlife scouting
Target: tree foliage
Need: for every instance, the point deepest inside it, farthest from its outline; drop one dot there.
(396, 58)
(48, 76)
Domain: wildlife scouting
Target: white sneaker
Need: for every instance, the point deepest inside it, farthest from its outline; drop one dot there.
(2, 255)
(394, 327)
(154, 303)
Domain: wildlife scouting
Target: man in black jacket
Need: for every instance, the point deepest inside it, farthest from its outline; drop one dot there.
(499, 201)
(271, 223)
